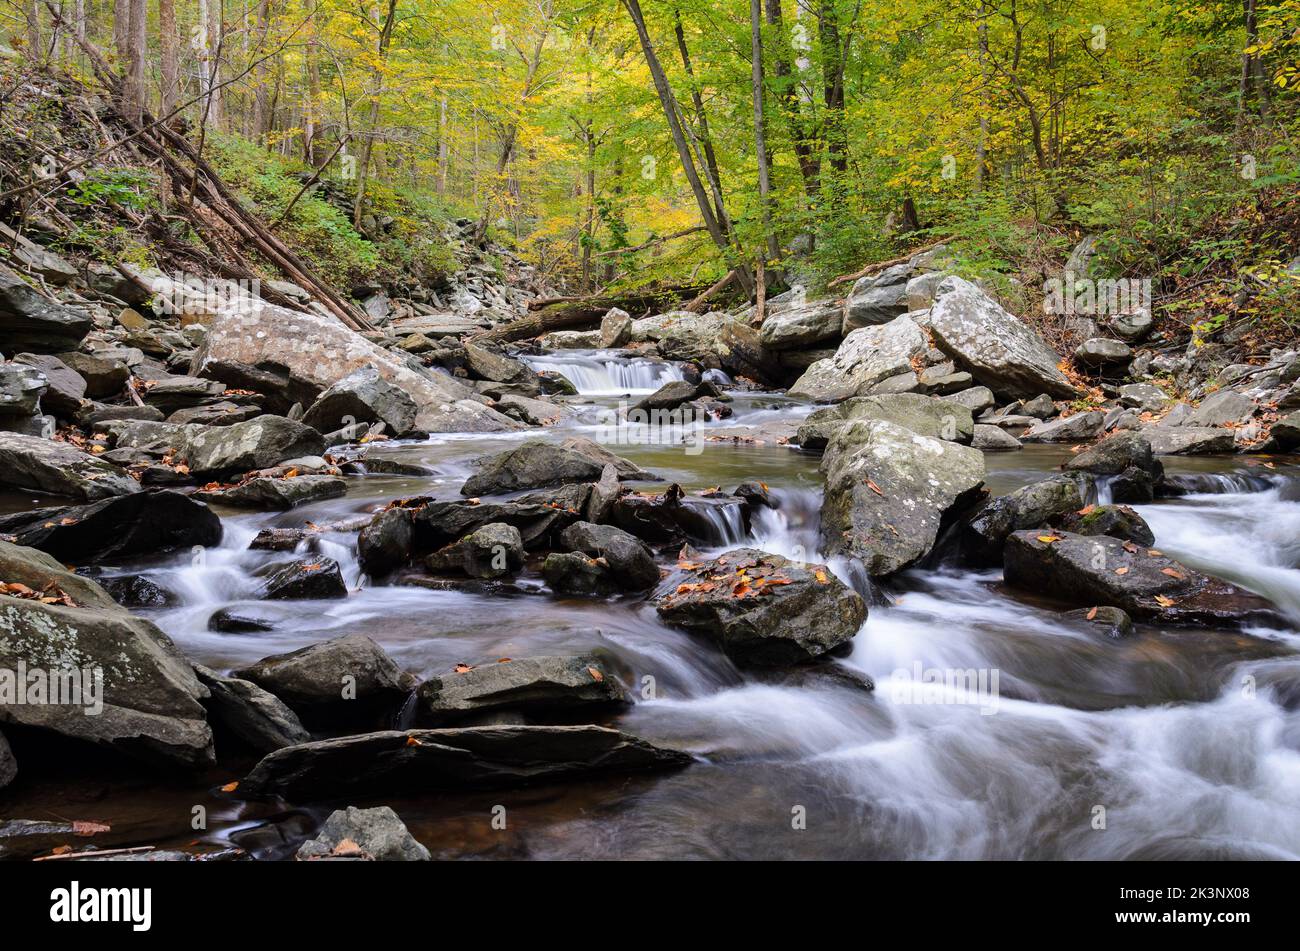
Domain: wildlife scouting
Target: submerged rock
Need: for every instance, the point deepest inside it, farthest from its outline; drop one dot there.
(761, 608)
(536, 686)
(889, 491)
(394, 761)
(1112, 622)
(1090, 570)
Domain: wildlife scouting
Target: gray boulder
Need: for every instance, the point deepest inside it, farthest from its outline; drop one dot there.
(577, 574)
(877, 299)
(393, 761)
(334, 675)
(867, 358)
(994, 439)
(629, 561)
(976, 399)
(30, 322)
(376, 835)
(257, 444)
(1223, 408)
(59, 468)
(493, 551)
(283, 493)
(761, 608)
(363, 396)
(1039, 504)
(926, 415)
(21, 389)
(538, 464)
(385, 544)
(309, 578)
(150, 697)
(998, 349)
(802, 325)
(1100, 353)
(1143, 397)
(615, 329)
(1080, 427)
(1190, 440)
(536, 686)
(890, 490)
(67, 390)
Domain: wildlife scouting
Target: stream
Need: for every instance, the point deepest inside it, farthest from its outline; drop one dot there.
(1174, 743)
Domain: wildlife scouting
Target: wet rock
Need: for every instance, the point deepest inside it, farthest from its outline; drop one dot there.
(1286, 432)
(998, 349)
(45, 465)
(1115, 454)
(1111, 622)
(993, 439)
(604, 493)
(493, 551)
(257, 444)
(803, 325)
(150, 696)
(537, 464)
(363, 396)
(268, 493)
(925, 415)
(889, 491)
(257, 717)
(877, 299)
(347, 678)
(1190, 440)
(761, 608)
(456, 758)
(66, 392)
(676, 392)
(232, 621)
(755, 495)
(488, 364)
(308, 578)
(385, 544)
(1079, 427)
(136, 591)
(578, 574)
(1095, 570)
(867, 358)
(321, 351)
(30, 322)
(615, 329)
(1116, 521)
(1223, 408)
(437, 524)
(21, 389)
(1044, 503)
(1100, 353)
(376, 835)
(128, 526)
(630, 562)
(536, 686)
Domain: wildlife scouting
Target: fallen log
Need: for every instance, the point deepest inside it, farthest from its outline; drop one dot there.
(881, 265)
(571, 313)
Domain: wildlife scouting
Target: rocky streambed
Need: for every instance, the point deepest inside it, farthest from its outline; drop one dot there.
(405, 598)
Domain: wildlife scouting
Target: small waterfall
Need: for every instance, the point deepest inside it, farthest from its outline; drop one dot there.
(607, 372)
(1219, 483)
(717, 523)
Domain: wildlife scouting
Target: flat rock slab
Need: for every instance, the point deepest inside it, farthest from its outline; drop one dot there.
(45, 465)
(474, 757)
(267, 493)
(532, 684)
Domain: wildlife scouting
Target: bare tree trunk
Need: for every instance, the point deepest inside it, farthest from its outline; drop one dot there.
(35, 45)
(167, 40)
(669, 104)
(135, 36)
(789, 99)
(702, 121)
(216, 37)
(368, 141)
(760, 135)
(262, 112)
(121, 32)
(311, 101)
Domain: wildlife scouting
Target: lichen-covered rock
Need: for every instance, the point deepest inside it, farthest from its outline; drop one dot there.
(802, 325)
(257, 444)
(493, 551)
(59, 468)
(761, 608)
(867, 358)
(376, 835)
(998, 349)
(926, 415)
(363, 396)
(889, 491)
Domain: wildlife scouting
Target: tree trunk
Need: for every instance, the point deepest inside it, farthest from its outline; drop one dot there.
(35, 44)
(789, 99)
(368, 141)
(133, 96)
(760, 135)
(168, 39)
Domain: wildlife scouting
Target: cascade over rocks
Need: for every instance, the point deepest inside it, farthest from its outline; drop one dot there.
(151, 699)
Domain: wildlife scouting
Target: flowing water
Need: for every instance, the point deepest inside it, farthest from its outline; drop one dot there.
(1174, 743)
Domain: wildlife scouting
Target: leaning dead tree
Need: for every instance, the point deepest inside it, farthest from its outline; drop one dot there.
(217, 216)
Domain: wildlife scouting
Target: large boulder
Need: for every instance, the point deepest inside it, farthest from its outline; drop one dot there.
(493, 551)
(258, 718)
(21, 389)
(999, 350)
(803, 325)
(983, 535)
(1091, 570)
(128, 526)
(385, 544)
(375, 835)
(877, 299)
(1223, 408)
(926, 415)
(615, 329)
(889, 491)
(535, 686)
(363, 396)
(320, 350)
(537, 464)
(103, 376)
(1126, 463)
(1190, 440)
(265, 492)
(1077, 427)
(761, 608)
(66, 394)
(393, 761)
(629, 561)
(348, 677)
(867, 358)
(33, 323)
(46, 465)
(138, 695)
(1103, 354)
(257, 444)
